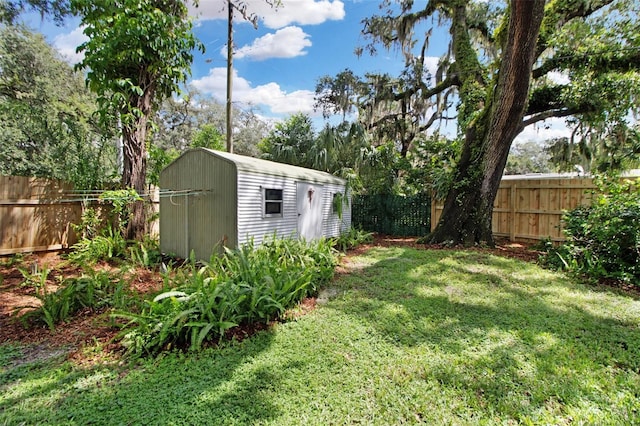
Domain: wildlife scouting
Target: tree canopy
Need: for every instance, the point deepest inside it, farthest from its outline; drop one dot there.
(138, 53)
(47, 127)
(507, 66)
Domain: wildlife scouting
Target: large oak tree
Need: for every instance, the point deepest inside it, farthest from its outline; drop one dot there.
(46, 114)
(507, 66)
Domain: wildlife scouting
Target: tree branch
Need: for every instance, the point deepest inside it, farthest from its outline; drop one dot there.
(549, 114)
(561, 12)
(599, 61)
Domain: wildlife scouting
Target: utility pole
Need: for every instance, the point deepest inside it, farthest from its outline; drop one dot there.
(229, 77)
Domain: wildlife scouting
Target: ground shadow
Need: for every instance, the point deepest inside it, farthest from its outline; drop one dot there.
(171, 389)
(552, 343)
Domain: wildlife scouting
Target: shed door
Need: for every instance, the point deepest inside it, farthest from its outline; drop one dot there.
(309, 199)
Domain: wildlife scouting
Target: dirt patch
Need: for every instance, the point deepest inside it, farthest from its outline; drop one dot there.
(23, 276)
(502, 248)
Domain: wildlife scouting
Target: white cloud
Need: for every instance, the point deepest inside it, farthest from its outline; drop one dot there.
(288, 42)
(67, 44)
(270, 94)
(431, 64)
(302, 12)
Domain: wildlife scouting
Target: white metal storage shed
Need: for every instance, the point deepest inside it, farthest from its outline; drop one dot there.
(212, 198)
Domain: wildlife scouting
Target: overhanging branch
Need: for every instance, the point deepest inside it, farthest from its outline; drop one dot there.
(549, 114)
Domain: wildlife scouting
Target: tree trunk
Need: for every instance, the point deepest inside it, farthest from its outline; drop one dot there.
(134, 174)
(468, 208)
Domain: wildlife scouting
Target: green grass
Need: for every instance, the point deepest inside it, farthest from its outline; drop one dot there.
(414, 336)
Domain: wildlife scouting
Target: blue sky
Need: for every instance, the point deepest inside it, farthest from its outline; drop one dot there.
(277, 66)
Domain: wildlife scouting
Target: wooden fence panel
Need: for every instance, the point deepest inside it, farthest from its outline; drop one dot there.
(530, 209)
(34, 215)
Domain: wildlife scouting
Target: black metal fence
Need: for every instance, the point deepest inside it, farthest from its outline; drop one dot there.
(392, 214)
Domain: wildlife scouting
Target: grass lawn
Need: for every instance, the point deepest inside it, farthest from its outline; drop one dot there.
(409, 336)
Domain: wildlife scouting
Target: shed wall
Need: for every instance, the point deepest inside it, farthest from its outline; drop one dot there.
(251, 222)
(204, 215)
(333, 225)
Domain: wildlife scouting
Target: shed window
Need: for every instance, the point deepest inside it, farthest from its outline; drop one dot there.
(272, 202)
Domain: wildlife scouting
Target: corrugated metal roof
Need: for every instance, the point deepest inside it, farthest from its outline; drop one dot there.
(257, 165)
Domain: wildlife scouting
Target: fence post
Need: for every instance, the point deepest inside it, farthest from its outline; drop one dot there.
(512, 210)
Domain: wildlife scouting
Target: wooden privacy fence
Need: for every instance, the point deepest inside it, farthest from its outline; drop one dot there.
(530, 208)
(36, 214)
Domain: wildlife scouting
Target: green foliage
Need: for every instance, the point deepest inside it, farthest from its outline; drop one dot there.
(12, 260)
(411, 336)
(102, 238)
(603, 240)
(433, 160)
(95, 291)
(208, 136)
(179, 120)
(145, 253)
(47, 127)
(528, 157)
(613, 149)
(159, 158)
(35, 276)
(10, 10)
(290, 141)
(351, 239)
(242, 286)
(120, 201)
(132, 44)
(107, 245)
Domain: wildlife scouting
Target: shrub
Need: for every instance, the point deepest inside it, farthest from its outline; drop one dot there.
(352, 239)
(103, 238)
(245, 285)
(603, 240)
(109, 244)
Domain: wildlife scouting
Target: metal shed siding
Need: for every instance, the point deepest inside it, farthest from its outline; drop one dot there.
(224, 201)
(333, 225)
(251, 222)
(206, 214)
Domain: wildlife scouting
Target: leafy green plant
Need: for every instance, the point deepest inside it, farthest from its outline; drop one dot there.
(95, 291)
(603, 240)
(35, 276)
(13, 260)
(145, 253)
(250, 284)
(352, 239)
(101, 238)
(90, 223)
(108, 244)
